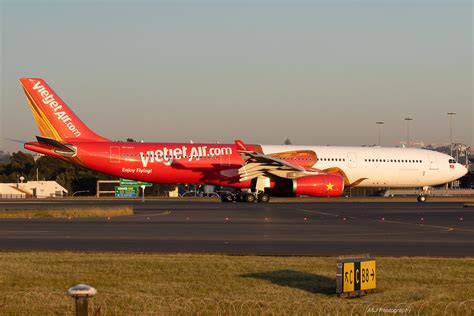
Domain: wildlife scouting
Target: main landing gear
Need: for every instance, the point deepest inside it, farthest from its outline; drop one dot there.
(249, 197)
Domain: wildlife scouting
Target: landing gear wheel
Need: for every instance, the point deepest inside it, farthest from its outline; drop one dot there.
(421, 198)
(263, 198)
(227, 197)
(249, 198)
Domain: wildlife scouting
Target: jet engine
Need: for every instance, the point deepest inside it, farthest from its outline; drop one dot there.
(323, 185)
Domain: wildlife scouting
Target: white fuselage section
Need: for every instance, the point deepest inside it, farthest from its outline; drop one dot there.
(383, 166)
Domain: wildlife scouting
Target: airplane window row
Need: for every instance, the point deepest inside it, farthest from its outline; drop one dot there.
(332, 159)
(394, 160)
(293, 158)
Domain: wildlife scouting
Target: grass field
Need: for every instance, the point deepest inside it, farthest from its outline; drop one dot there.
(69, 212)
(34, 283)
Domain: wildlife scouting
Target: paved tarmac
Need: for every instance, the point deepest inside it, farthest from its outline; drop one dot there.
(330, 228)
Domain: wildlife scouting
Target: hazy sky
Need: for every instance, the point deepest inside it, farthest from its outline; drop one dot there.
(318, 72)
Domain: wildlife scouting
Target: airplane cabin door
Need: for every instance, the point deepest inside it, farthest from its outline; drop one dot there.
(352, 160)
(114, 154)
(433, 162)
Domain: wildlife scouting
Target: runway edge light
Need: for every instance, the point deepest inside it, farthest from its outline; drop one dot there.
(356, 275)
(81, 293)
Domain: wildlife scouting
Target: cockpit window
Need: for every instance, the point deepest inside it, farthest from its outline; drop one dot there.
(452, 161)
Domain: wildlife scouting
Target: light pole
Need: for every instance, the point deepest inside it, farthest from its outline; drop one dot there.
(451, 114)
(408, 119)
(379, 123)
(36, 157)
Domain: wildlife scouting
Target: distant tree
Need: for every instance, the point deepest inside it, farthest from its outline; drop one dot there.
(287, 142)
(21, 164)
(4, 157)
(6, 177)
(160, 189)
(71, 177)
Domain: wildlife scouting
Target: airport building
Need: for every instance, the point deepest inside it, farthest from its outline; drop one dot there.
(32, 189)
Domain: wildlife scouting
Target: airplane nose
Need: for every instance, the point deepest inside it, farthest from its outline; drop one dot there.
(464, 170)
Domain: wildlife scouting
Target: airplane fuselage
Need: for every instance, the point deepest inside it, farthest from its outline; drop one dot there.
(217, 164)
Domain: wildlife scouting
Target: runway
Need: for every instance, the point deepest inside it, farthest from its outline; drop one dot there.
(388, 229)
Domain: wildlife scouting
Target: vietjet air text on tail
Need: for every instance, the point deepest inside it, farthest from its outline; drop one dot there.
(264, 170)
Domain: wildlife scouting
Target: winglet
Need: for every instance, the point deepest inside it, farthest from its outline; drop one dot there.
(240, 145)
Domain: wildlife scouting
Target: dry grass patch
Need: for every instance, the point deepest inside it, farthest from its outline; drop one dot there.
(135, 284)
(69, 212)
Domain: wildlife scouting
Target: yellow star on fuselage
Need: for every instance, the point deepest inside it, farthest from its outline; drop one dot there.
(329, 186)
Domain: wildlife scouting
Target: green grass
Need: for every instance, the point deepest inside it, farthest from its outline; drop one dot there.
(69, 212)
(34, 283)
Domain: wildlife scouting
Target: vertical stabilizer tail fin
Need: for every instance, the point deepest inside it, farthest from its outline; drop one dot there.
(53, 117)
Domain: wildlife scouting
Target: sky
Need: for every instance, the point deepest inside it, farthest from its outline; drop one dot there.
(317, 72)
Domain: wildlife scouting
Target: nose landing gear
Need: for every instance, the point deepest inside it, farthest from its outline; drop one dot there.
(423, 194)
(421, 198)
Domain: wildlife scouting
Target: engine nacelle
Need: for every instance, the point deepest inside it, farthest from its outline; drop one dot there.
(322, 185)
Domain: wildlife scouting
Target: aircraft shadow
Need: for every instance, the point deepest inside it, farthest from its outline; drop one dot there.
(309, 282)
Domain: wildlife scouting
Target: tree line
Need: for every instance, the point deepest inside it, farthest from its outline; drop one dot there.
(73, 178)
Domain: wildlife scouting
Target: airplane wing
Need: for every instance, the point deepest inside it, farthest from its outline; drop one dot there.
(258, 164)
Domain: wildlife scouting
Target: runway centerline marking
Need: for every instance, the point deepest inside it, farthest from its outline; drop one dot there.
(316, 212)
(442, 228)
(216, 238)
(150, 215)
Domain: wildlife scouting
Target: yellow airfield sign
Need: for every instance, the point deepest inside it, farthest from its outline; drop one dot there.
(356, 275)
(367, 277)
(348, 277)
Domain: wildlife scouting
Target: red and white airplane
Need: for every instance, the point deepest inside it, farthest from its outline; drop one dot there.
(260, 170)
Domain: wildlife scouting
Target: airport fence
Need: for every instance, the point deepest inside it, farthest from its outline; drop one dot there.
(58, 303)
(12, 196)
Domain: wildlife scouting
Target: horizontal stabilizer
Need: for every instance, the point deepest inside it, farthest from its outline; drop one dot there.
(59, 147)
(17, 141)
